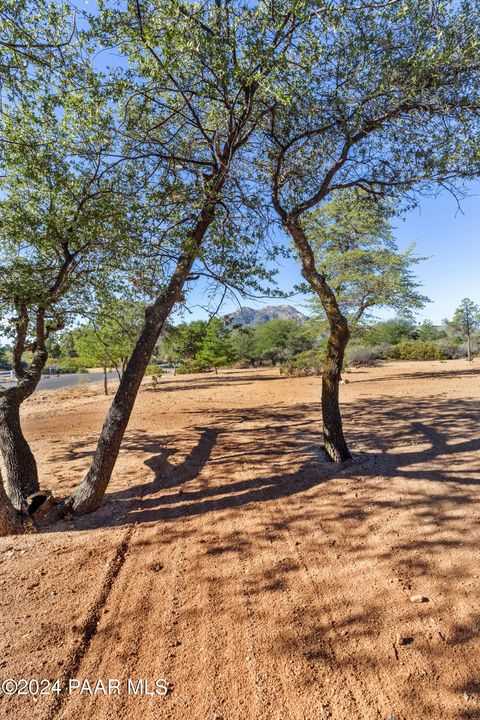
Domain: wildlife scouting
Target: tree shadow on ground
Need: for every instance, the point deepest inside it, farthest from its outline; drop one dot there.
(281, 455)
(210, 381)
(416, 469)
(446, 374)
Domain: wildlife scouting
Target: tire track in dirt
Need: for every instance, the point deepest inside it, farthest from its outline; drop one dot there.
(90, 625)
(303, 673)
(290, 673)
(137, 631)
(211, 627)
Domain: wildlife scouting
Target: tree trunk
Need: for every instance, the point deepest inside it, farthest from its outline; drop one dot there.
(10, 522)
(20, 465)
(105, 380)
(89, 494)
(469, 348)
(335, 443)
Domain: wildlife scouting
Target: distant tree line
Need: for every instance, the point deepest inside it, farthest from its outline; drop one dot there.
(297, 348)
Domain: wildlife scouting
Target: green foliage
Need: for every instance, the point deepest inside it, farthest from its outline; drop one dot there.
(190, 367)
(352, 239)
(465, 323)
(466, 319)
(243, 345)
(304, 364)
(181, 342)
(278, 339)
(216, 348)
(389, 332)
(417, 350)
(428, 331)
(110, 341)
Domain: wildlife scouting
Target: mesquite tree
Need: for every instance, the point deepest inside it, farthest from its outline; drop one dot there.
(35, 35)
(68, 221)
(201, 79)
(107, 340)
(386, 99)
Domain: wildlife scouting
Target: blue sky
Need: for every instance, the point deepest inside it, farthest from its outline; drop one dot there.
(447, 236)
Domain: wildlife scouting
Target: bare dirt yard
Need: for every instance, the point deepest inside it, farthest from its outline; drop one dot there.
(233, 561)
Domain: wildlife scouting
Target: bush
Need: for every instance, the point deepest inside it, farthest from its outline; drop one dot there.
(417, 350)
(191, 366)
(385, 351)
(362, 356)
(304, 364)
(155, 372)
(455, 351)
(63, 369)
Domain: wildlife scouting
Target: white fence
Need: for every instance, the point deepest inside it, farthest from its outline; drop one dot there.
(6, 375)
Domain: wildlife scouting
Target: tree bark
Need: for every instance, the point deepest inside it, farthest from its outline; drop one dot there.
(334, 439)
(20, 464)
(469, 349)
(10, 521)
(335, 443)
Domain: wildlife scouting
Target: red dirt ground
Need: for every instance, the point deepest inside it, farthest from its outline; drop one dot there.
(231, 560)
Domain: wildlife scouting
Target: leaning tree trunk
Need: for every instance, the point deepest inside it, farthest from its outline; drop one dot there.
(10, 521)
(20, 464)
(89, 494)
(334, 440)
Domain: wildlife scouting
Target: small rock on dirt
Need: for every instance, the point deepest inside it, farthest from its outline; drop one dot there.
(419, 599)
(404, 639)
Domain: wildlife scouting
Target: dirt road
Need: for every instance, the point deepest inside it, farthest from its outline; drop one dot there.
(258, 580)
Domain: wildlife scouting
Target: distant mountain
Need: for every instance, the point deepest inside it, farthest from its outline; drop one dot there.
(252, 316)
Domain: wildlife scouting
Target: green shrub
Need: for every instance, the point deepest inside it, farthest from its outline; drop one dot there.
(385, 351)
(304, 364)
(362, 356)
(191, 366)
(63, 369)
(417, 350)
(154, 370)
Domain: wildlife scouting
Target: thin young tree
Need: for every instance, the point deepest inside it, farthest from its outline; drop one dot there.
(466, 322)
(386, 99)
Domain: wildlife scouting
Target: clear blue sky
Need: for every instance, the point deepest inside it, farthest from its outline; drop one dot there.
(447, 236)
